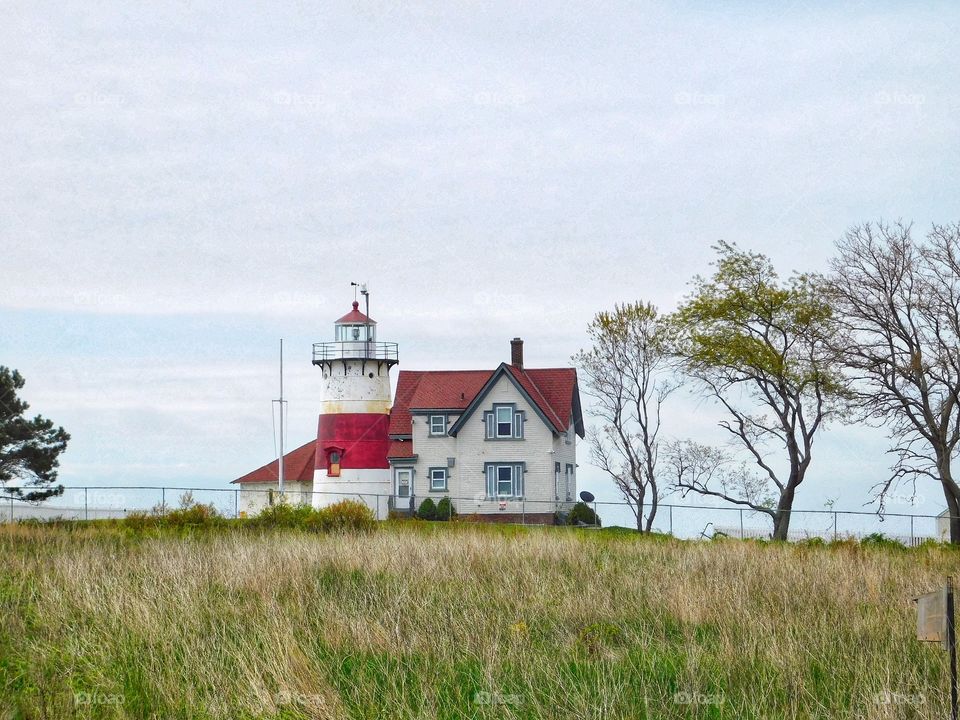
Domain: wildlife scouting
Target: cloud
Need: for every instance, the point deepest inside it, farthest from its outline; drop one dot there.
(493, 170)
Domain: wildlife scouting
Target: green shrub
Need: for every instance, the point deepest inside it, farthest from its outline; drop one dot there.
(190, 514)
(194, 515)
(427, 510)
(583, 513)
(284, 515)
(344, 516)
(141, 521)
(445, 509)
(879, 540)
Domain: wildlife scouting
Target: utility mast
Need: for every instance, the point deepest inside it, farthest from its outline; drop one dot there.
(282, 403)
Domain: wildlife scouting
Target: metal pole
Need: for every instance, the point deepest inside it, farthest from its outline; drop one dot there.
(163, 499)
(280, 461)
(595, 518)
(86, 508)
(834, 525)
(741, 523)
(366, 298)
(671, 519)
(523, 510)
(236, 503)
(952, 649)
(11, 508)
(911, 531)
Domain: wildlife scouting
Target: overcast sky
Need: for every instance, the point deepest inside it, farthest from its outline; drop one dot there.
(183, 184)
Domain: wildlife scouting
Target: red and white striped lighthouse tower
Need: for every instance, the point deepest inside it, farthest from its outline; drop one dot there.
(352, 435)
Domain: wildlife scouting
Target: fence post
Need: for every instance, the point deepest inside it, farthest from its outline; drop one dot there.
(163, 499)
(236, 504)
(523, 510)
(11, 508)
(911, 531)
(741, 523)
(671, 519)
(86, 507)
(834, 525)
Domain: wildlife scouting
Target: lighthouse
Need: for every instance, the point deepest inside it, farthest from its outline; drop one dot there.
(352, 433)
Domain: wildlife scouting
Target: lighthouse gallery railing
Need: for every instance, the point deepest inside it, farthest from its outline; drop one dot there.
(354, 350)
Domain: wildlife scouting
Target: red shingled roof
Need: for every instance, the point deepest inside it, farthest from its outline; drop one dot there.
(559, 388)
(400, 449)
(356, 317)
(449, 389)
(553, 390)
(298, 466)
(407, 382)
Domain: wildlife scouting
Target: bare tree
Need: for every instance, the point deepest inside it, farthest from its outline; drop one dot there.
(708, 470)
(627, 376)
(759, 348)
(898, 301)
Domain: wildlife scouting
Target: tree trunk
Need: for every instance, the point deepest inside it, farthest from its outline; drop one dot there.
(654, 501)
(950, 495)
(781, 518)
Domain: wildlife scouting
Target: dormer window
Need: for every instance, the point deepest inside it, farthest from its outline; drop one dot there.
(504, 422)
(438, 425)
(333, 463)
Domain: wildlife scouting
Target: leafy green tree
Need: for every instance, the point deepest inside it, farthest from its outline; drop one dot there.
(29, 448)
(626, 373)
(760, 348)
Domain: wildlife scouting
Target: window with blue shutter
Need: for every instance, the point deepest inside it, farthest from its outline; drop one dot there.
(504, 422)
(505, 480)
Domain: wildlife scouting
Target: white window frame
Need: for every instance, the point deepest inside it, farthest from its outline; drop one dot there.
(442, 420)
(517, 471)
(499, 479)
(497, 422)
(570, 480)
(433, 478)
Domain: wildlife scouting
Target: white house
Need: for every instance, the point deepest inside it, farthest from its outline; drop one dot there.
(501, 443)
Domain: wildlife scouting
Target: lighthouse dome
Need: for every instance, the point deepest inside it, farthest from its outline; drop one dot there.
(355, 326)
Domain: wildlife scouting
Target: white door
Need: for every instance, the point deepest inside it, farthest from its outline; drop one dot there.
(404, 481)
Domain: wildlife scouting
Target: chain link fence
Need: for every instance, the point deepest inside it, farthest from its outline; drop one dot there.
(680, 520)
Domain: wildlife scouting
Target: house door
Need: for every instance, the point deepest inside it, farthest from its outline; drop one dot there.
(404, 481)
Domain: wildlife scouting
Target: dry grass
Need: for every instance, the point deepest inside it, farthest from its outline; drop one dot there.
(458, 622)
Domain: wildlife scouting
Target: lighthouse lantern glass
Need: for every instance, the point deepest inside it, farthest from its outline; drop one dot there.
(355, 333)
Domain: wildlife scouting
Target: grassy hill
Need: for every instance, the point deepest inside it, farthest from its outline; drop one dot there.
(455, 621)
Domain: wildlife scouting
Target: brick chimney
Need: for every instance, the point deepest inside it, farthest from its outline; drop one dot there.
(516, 353)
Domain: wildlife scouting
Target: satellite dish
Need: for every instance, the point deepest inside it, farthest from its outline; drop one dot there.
(587, 496)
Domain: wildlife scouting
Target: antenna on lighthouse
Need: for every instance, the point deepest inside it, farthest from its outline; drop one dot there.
(366, 297)
(282, 403)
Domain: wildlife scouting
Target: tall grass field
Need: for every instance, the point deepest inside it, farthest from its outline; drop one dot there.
(449, 620)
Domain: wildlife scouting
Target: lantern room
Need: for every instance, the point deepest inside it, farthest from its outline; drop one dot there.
(355, 327)
(355, 338)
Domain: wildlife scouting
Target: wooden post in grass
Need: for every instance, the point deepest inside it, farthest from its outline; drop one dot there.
(952, 648)
(936, 623)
